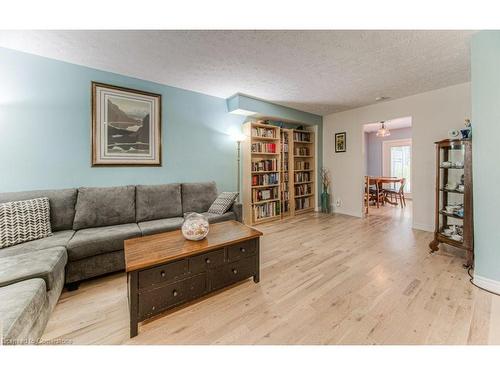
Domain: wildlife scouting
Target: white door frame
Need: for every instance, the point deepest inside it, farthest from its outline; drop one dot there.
(386, 157)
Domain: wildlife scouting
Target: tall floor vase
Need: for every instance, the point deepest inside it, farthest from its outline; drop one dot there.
(325, 202)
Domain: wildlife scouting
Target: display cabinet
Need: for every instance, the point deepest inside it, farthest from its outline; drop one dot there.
(453, 211)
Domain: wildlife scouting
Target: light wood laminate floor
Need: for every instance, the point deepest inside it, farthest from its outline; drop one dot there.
(325, 279)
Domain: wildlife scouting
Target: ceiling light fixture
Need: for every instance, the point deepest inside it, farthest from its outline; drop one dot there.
(383, 131)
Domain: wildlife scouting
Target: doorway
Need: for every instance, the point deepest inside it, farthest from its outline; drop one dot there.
(387, 182)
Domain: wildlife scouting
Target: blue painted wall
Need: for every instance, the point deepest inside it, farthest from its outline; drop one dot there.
(45, 122)
(485, 55)
(45, 125)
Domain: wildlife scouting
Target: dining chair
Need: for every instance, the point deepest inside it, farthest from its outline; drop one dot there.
(376, 193)
(395, 193)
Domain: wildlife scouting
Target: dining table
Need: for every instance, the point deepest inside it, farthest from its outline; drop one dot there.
(378, 182)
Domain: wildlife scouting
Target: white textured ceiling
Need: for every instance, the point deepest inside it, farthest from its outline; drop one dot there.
(315, 71)
(397, 123)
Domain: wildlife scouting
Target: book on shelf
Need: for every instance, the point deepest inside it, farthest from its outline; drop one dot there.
(302, 165)
(285, 206)
(303, 189)
(302, 151)
(265, 179)
(265, 165)
(302, 177)
(266, 210)
(285, 195)
(263, 132)
(264, 147)
(260, 195)
(302, 203)
(301, 137)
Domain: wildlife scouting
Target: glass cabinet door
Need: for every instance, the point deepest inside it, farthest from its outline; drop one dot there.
(452, 188)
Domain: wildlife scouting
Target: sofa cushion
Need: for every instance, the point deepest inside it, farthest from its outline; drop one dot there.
(62, 204)
(60, 238)
(223, 203)
(238, 211)
(158, 201)
(216, 218)
(98, 265)
(44, 264)
(23, 221)
(198, 196)
(92, 241)
(97, 207)
(161, 225)
(21, 306)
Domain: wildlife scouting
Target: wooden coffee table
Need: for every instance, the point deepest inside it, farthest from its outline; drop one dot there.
(165, 270)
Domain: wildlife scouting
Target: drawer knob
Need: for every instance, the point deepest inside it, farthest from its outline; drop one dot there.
(235, 271)
(175, 293)
(207, 261)
(162, 273)
(242, 249)
(153, 308)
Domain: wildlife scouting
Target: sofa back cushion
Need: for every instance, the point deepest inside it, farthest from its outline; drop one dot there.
(198, 196)
(61, 201)
(99, 207)
(157, 202)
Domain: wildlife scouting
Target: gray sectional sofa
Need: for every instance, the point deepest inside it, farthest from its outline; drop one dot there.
(89, 226)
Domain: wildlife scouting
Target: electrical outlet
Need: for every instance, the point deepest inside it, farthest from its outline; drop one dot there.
(339, 202)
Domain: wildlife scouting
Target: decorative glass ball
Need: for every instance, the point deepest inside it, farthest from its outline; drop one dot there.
(195, 227)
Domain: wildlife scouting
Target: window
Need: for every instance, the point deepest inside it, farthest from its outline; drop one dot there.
(397, 160)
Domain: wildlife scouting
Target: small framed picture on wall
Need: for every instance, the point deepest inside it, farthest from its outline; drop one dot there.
(340, 142)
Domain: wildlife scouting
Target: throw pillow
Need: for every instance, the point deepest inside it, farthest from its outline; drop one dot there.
(223, 203)
(23, 221)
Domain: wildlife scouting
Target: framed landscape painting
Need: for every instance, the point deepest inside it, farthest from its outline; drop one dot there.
(126, 126)
(340, 142)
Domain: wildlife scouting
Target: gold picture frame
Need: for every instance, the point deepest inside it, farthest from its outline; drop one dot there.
(340, 142)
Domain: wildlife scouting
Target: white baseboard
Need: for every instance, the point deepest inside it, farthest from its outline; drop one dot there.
(422, 226)
(339, 210)
(488, 284)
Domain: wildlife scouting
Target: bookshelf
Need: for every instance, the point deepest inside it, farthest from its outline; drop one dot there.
(278, 172)
(303, 171)
(261, 173)
(286, 172)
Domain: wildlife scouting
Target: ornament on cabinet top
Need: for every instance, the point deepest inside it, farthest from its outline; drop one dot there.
(454, 134)
(466, 132)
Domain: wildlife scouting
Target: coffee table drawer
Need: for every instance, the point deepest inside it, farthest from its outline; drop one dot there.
(156, 300)
(241, 250)
(201, 262)
(196, 286)
(233, 272)
(164, 273)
